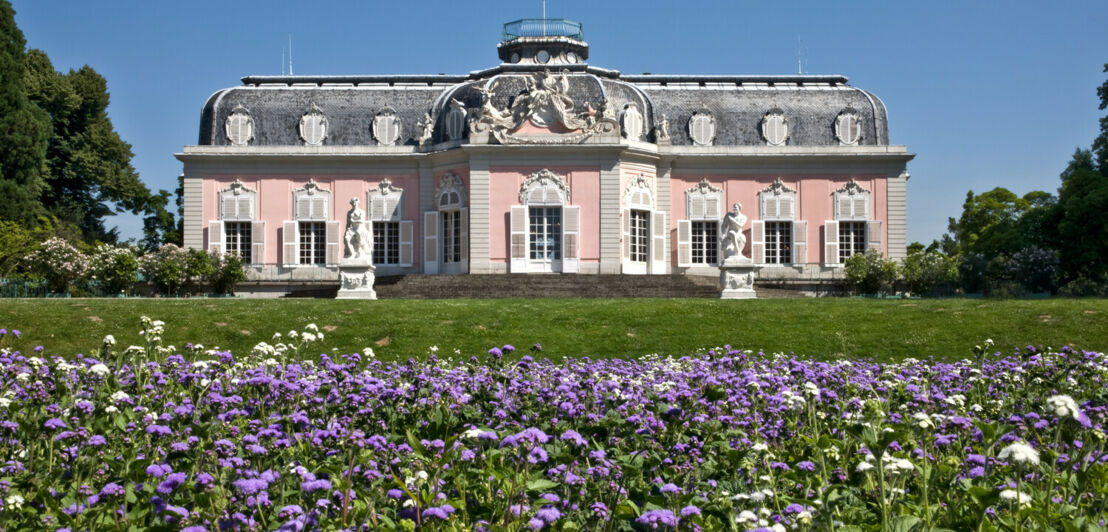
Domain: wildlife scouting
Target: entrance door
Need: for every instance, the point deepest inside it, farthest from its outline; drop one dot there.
(545, 240)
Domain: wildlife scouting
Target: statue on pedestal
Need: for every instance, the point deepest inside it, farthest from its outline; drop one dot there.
(359, 243)
(732, 236)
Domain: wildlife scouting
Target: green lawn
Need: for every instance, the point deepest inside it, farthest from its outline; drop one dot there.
(884, 329)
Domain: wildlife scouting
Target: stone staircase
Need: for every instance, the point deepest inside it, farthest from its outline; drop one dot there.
(540, 285)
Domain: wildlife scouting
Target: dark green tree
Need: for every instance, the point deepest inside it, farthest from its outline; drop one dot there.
(23, 131)
(89, 165)
(1100, 143)
(1083, 226)
(988, 222)
(160, 226)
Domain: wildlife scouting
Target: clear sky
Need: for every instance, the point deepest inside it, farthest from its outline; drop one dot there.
(986, 94)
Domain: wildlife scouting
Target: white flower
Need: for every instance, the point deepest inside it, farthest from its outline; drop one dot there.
(99, 369)
(109, 340)
(368, 352)
(760, 446)
(293, 334)
(14, 502)
(1021, 453)
(923, 420)
(311, 327)
(472, 433)
(777, 527)
(434, 349)
(1064, 406)
(811, 389)
(421, 475)
(111, 409)
(863, 467)
(902, 464)
(308, 337)
(1013, 495)
(5, 402)
(23, 377)
(276, 336)
(746, 516)
(120, 395)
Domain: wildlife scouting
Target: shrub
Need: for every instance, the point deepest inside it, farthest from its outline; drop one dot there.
(226, 271)
(971, 272)
(1085, 287)
(1034, 268)
(199, 269)
(116, 267)
(870, 273)
(924, 270)
(166, 268)
(58, 263)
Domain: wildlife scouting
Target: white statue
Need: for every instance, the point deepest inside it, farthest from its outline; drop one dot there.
(359, 243)
(427, 128)
(732, 236)
(661, 131)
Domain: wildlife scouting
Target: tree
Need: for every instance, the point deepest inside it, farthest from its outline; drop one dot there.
(23, 130)
(987, 224)
(1100, 143)
(1083, 225)
(89, 165)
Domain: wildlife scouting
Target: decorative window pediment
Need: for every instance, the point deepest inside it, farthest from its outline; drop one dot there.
(852, 202)
(638, 194)
(702, 128)
(455, 120)
(312, 202)
(704, 202)
(544, 188)
(632, 122)
(848, 127)
(236, 202)
(775, 127)
(386, 127)
(384, 202)
(313, 126)
(239, 126)
(451, 193)
(778, 201)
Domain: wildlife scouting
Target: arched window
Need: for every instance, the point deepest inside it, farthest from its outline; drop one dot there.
(644, 247)
(777, 237)
(698, 233)
(311, 237)
(446, 229)
(544, 228)
(392, 234)
(237, 231)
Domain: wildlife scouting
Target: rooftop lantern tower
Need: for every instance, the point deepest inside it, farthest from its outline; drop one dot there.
(543, 41)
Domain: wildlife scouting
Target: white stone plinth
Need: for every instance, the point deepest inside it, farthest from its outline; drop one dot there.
(356, 280)
(736, 281)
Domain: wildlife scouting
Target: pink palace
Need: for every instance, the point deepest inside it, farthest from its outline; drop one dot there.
(545, 164)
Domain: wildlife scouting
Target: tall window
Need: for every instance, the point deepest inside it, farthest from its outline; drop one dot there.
(313, 242)
(779, 240)
(705, 247)
(386, 242)
(237, 241)
(451, 236)
(640, 235)
(545, 241)
(852, 239)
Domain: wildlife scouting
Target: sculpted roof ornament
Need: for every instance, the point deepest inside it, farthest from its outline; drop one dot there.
(312, 188)
(545, 104)
(851, 188)
(778, 187)
(704, 187)
(236, 188)
(541, 179)
(385, 188)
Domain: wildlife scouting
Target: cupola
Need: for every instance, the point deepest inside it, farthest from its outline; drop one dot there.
(543, 41)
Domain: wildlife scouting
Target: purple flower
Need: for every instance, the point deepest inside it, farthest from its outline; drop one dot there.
(290, 510)
(112, 488)
(496, 352)
(689, 511)
(395, 493)
(654, 518)
(97, 440)
(158, 470)
(548, 514)
(250, 486)
(669, 487)
(599, 509)
(572, 436)
(441, 512)
(171, 482)
(315, 485)
(55, 423)
(806, 466)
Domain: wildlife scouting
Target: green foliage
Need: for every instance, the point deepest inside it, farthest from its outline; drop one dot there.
(199, 269)
(59, 263)
(1083, 227)
(116, 267)
(227, 271)
(15, 244)
(988, 222)
(1100, 144)
(870, 273)
(24, 129)
(924, 270)
(167, 268)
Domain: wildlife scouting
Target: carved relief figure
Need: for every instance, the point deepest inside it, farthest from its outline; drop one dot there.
(732, 234)
(359, 243)
(427, 128)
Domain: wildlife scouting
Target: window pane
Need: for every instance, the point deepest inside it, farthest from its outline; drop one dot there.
(545, 239)
(386, 242)
(640, 234)
(779, 238)
(313, 242)
(704, 247)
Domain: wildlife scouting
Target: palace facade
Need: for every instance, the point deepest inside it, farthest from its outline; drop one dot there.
(545, 163)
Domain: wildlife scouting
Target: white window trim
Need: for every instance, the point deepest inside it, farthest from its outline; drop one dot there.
(555, 193)
(697, 209)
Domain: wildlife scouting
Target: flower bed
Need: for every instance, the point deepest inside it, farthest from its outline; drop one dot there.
(723, 440)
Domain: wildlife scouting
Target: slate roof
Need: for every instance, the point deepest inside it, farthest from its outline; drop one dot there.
(738, 103)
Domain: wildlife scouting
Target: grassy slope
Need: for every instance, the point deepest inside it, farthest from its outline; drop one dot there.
(575, 327)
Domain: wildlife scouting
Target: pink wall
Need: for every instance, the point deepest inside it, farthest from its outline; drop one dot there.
(274, 204)
(814, 197)
(584, 186)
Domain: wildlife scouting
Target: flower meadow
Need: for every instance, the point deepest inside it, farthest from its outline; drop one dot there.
(152, 437)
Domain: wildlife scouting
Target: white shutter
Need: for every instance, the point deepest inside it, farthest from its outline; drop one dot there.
(334, 243)
(873, 235)
(845, 209)
(257, 242)
(785, 207)
(658, 247)
(684, 243)
(861, 206)
(464, 239)
(712, 207)
(245, 207)
(769, 207)
(800, 242)
(319, 208)
(392, 207)
(216, 239)
(757, 242)
(697, 206)
(229, 208)
(518, 244)
(377, 207)
(303, 207)
(431, 228)
(626, 242)
(407, 235)
(830, 243)
(571, 234)
(290, 243)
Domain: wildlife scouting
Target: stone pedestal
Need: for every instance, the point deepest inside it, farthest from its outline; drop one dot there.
(736, 280)
(356, 280)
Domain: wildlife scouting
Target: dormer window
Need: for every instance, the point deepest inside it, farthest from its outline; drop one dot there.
(313, 126)
(775, 127)
(239, 127)
(848, 128)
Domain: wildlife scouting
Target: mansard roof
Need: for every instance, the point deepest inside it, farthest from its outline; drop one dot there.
(810, 104)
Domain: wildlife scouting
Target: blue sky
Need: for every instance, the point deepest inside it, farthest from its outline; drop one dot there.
(986, 94)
